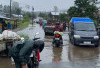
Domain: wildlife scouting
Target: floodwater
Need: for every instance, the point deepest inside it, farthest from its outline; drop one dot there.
(68, 56)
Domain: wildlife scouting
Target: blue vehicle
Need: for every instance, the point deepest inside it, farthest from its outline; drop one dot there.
(82, 31)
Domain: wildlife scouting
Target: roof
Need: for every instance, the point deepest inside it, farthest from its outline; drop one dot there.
(58, 13)
(17, 15)
(55, 13)
(81, 19)
(3, 17)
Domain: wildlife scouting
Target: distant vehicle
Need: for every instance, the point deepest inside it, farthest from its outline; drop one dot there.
(44, 22)
(82, 31)
(49, 27)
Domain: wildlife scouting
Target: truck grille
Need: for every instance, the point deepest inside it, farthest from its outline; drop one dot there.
(86, 38)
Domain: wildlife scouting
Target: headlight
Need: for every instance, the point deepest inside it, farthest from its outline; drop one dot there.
(76, 36)
(96, 37)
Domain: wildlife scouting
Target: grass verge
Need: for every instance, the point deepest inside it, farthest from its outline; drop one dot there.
(24, 36)
(23, 24)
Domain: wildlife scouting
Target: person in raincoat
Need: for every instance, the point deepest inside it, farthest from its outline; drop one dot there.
(9, 25)
(4, 25)
(64, 26)
(43, 24)
(22, 50)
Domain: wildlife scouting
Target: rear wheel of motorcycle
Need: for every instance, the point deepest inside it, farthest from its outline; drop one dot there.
(35, 63)
(30, 64)
(57, 44)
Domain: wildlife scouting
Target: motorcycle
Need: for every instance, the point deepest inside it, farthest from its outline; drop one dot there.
(58, 41)
(35, 55)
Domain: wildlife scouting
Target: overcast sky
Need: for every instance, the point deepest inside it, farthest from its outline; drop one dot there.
(43, 5)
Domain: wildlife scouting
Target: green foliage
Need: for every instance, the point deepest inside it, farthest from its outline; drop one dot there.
(43, 15)
(25, 22)
(26, 18)
(83, 8)
(22, 24)
(30, 14)
(63, 17)
(24, 36)
(15, 8)
(73, 11)
(18, 11)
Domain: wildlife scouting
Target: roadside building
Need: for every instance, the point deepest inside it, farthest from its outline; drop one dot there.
(14, 16)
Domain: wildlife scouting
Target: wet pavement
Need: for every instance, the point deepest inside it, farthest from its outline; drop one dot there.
(68, 56)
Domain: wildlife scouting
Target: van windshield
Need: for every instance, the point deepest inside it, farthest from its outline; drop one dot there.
(84, 26)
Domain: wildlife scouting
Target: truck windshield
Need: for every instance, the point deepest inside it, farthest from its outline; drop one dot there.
(84, 26)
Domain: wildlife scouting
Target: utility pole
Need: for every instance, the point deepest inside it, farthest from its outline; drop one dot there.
(32, 15)
(10, 8)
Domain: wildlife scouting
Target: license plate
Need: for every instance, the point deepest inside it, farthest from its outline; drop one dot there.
(87, 42)
(56, 38)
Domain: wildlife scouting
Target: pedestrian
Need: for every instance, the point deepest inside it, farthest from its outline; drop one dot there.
(40, 23)
(9, 25)
(43, 24)
(64, 26)
(4, 25)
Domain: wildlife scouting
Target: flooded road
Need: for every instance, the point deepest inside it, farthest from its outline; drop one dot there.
(68, 56)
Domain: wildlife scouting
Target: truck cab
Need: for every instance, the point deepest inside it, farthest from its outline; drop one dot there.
(49, 27)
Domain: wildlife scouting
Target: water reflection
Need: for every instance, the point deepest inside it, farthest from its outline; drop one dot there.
(57, 54)
(5, 62)
(82, 53)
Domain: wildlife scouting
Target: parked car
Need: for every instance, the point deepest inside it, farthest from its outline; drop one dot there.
(82, 31)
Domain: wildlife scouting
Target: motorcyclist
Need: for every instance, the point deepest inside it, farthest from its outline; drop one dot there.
(21, 52)
(58, 28)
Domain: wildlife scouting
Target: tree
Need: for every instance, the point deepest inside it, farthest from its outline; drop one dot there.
(83, 8)
(43, 15)
(15, 8)
(27, 7)
(1, 7)
(18, 11)
(63, 17)
(55, 8)
(6, 9)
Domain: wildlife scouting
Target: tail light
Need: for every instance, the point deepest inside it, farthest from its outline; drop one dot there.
(38, 54)
(57, 35)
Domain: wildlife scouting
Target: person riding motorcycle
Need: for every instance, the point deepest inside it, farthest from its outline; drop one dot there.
(59, 29)
(21, 52)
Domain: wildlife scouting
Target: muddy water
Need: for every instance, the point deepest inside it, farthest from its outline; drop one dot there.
(68, 56)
